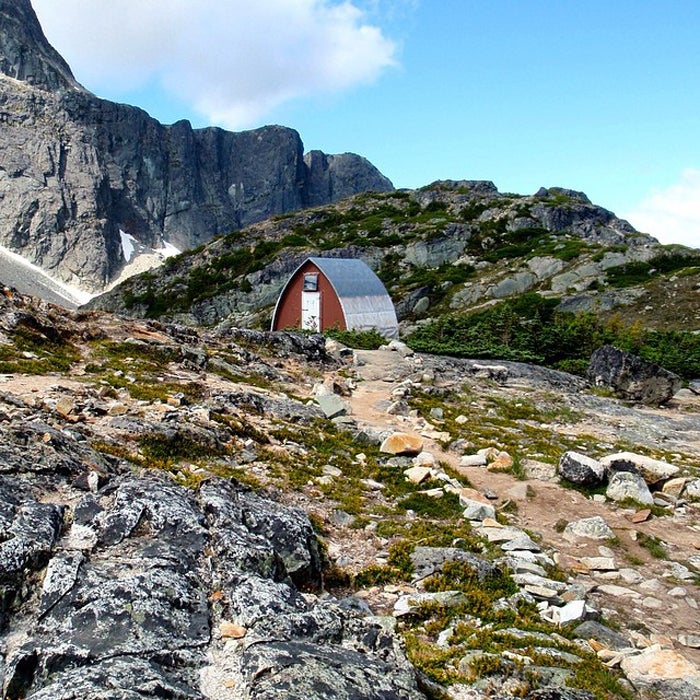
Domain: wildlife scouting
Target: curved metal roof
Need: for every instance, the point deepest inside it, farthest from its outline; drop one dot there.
(350, 277)
(365, 302)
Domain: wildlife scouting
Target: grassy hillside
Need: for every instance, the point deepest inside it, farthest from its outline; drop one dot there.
(444, 252)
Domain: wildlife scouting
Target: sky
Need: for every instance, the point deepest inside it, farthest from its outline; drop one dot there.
(592, 95)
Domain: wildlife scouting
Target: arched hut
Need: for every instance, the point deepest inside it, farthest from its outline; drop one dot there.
(335, 292)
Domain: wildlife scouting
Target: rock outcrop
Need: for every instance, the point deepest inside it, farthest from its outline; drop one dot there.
(76, 170)
(152, 481)
(25, 54)
(631, 377)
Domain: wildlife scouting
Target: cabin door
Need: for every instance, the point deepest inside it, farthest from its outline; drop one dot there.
(311, 311)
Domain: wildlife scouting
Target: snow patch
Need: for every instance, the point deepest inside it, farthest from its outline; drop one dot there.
(168, 250)
(128, 245)
(38, 279)
(142, 259)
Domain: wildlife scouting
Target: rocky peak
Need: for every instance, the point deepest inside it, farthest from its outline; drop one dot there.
(25, 53)
(78, 173)
(335, 177)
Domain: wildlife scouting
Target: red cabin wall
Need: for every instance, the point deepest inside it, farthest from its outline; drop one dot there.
(289, 307)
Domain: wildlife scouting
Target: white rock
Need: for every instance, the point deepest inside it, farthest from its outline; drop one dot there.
(594, 528)
(618, 591)
(655, 664)
(631, 576)
(690, 640)
(674, 487)
(418, 475)
(692, 490)
(473, 461)
(599, 563)
(424, 459)
(653, 585)
(652, 470)
(624, 486)
(574, 610)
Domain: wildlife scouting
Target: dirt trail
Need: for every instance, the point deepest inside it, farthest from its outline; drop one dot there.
(548, 505)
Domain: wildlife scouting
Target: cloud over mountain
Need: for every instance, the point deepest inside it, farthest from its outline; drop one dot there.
(233, 61)
(672, 214)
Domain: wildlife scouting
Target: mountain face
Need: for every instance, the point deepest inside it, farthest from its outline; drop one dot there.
(76, 169)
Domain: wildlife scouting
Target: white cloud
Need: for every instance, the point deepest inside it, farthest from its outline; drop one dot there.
(672, 214)
(232, 60)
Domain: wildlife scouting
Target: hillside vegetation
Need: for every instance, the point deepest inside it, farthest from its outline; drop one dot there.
(451, 255)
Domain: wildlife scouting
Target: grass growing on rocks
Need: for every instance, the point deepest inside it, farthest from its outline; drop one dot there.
(140, 369)
(36, 350)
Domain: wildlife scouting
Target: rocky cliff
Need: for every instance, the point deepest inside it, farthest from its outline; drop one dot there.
(75, 169)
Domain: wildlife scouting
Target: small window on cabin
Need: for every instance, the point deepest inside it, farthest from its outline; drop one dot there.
(310, 282)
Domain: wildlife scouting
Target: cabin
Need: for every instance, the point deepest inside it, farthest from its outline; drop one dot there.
(335, 292)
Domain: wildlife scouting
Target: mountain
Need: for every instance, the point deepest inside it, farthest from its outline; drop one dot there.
(448, 248)
(75, 170)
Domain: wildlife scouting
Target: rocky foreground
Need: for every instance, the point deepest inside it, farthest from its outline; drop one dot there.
(232, 514)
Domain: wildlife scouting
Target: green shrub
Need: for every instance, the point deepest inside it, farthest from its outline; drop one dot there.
(529, 329)
(361, 340)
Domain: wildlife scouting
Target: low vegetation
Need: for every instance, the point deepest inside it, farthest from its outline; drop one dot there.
(530, 329)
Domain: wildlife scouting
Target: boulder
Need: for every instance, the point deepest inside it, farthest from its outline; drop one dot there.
(332, 405)
(473, 461)
(417, 474)
(402, 444)
(430, 560)
(580, 469)
(590, 629)
(652, 470)
(663, 673)
(631, 377)
(594, 528)
(625, 486)
(692, 490)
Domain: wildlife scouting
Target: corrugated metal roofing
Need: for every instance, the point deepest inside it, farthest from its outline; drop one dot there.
(350, 277)
(362, 295)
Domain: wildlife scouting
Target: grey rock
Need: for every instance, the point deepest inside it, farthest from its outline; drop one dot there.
(590, 629)
(430, 560)
(130, 615)
(580, 469)
(24, 52)
(475, 510)
(298, 669)
(334, 177)
(631, 377)
(332, 405)
(521, 542)
(627, 485)
(421, 306)
(593, 528)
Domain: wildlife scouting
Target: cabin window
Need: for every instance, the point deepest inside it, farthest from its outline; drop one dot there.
(310, 282)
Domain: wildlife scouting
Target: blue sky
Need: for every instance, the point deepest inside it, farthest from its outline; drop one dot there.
(597, 96)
